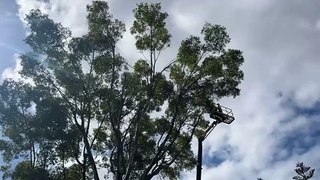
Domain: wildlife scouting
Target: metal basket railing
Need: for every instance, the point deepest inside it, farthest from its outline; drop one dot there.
(226, 116)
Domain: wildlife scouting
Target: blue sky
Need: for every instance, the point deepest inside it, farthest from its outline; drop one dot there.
(11, 33)
(277, 113)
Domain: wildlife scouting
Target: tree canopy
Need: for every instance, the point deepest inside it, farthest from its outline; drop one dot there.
(81, 103)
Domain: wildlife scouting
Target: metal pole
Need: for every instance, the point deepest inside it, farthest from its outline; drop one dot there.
(199, 163)
(84, 165)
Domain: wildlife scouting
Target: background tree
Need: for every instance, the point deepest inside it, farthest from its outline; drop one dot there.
(137, 123)
(303, 172)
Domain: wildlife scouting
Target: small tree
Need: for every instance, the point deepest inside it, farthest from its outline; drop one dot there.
(304, 172)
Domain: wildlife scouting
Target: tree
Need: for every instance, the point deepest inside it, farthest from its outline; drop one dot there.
(35, 125)
(303, 172)
(109, 108)
(24, 171)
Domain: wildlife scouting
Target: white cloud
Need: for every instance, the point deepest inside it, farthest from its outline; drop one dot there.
(280, 59)
(12, 72)
(71, 14)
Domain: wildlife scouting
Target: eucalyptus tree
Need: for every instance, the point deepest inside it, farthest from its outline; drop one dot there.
(135, 121)
(34, 126)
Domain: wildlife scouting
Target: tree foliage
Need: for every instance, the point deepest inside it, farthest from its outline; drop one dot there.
(84, 104)
(303, 172)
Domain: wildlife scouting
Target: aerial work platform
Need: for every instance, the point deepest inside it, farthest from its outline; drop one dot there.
(222, 114)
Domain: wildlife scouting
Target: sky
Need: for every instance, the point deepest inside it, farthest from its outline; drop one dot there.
(277, 114)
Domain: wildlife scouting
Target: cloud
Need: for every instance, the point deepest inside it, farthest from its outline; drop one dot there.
(273, 129)
(281, 63)
(71, 14)
(12, 72)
